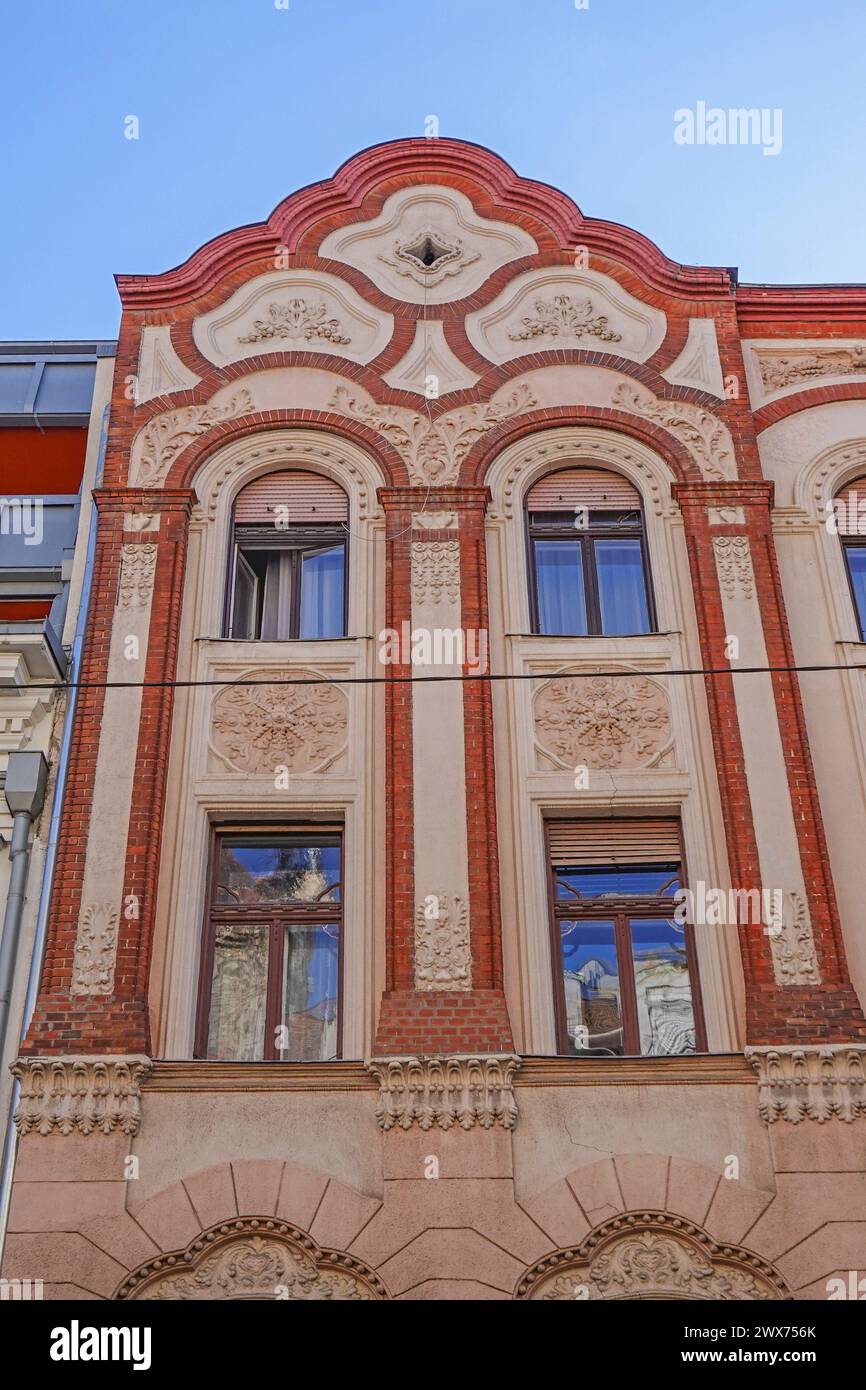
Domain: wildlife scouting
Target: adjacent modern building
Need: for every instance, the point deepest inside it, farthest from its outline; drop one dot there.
(458, 892)
(53, 411)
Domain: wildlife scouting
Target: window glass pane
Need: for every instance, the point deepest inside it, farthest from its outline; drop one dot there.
(618, 880)
(322, 593)
(309, 992)
(621, 587)
(277, 598)
(857, 567)
(593, 1005)
(664, 995)
(246, 599)
(281, 870)
(236, 1025)
(561, 597)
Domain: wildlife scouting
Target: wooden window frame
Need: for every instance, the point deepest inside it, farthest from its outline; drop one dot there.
(276, 917)
(621, 911)
(586, 538)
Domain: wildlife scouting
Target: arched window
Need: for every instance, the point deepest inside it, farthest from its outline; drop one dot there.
(587, 555)
(287, 576)
(849, 507)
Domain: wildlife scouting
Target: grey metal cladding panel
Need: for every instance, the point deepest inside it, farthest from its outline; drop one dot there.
(66, 388)
(45, 389)
(35, 532)
(15, 381)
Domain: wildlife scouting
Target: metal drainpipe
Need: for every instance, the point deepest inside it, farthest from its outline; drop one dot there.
(19, 855)
(11, 1140)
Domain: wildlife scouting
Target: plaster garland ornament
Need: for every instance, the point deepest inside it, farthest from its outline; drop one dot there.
(429, 256)
(297, 321)
(795, 368)
(700, 432)
(793, 947)
(95, 950)
(810, 1083)
(137, 569)
(436, 571)
(79, 1095)
(734, 566)
(443, 959)
(432, 450)
(257, 728)
(564, 317)
(603, 721)
(445, 1091)
(651, 1255)
(168, 434)
(254, 1259)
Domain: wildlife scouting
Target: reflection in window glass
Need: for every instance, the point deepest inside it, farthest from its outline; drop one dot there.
(322, 586)
(280, 871)
(561, 597)
(593, 1005)
(856, 556)
(621, 587)
(664, 996)
(236, 1024)
(309, 994)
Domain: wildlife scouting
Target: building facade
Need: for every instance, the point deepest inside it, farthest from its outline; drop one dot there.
(458, 891)
(53, 406)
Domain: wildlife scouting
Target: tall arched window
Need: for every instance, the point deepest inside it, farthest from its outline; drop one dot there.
(287, 576)
(587, 555)
(849, 507)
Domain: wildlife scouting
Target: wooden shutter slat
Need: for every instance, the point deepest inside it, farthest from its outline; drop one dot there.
(581, 843)
(849, 508)
(309, 497)
(595, 488)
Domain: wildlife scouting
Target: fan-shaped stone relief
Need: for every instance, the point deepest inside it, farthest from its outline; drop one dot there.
(651, 1255)
(428, 245)
(598, 721)
(257, 1260)
(564, 308)
(259, 727)
(293, 311)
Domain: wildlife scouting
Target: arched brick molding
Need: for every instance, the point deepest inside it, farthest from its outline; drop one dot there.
(253, 1259)
(651, 1255)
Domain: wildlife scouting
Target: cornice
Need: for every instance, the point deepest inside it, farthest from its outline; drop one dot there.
(700, 1070)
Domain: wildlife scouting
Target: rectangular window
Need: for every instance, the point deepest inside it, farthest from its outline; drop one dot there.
(292, 589)
(590, 574)
(626, 976)
(270, 980)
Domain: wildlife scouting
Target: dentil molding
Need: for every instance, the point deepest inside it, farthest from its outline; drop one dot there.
(445, 1091)
(80, 1095)
(810, 1083)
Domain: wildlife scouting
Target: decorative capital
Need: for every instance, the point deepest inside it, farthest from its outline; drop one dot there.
(79, 1094)
(810, 1083)
(445, 1091)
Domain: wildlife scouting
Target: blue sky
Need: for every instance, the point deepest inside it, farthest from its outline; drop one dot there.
(240, 102)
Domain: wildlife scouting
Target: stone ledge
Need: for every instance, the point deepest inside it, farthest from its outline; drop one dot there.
(810, 1083)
